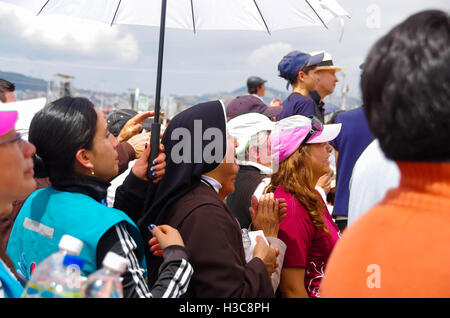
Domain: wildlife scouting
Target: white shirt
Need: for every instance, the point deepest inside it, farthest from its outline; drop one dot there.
(211, 181)
(264, 170)
(260, 188)
(258, 97)
(116, 182)
(260, 167)
(373, 175)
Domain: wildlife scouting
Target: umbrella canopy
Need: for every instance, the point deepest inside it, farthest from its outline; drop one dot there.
(253, 15)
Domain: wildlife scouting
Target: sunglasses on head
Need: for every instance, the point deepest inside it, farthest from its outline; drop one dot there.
(316, 126)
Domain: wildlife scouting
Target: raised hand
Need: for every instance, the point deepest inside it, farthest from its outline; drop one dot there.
(140, 167)
(133, 126)
(163, 236)
(267, 214)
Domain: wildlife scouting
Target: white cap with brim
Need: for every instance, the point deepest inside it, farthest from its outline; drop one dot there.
(243, 127)
(329, 132)
(327, 63)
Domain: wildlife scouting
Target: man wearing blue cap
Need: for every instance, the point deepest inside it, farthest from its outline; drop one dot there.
(298, 69)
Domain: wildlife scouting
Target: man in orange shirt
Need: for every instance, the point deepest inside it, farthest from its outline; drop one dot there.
(401, 247)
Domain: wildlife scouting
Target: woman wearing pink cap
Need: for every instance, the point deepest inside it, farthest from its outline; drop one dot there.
(301, 150)
(16, 182)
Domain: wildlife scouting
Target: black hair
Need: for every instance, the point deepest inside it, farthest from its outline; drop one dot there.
(5, 86)
(305, 70)
(254, 83)
(253, 89)
(58, 131)
(406, 89)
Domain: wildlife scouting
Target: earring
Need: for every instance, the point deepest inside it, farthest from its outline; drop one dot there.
(92, 172)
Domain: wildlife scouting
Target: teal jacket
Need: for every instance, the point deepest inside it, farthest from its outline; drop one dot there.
(48, 214)
(9, 286)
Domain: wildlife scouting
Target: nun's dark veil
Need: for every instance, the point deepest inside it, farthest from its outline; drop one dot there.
(182, 177)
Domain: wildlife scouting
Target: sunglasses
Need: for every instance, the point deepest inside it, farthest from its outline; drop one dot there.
(17, 138)
(316, 126)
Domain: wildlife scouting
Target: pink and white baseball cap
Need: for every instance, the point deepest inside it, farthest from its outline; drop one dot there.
(7, 121)
(290, 132)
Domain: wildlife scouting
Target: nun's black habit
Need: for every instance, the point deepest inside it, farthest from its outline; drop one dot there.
(211, 233)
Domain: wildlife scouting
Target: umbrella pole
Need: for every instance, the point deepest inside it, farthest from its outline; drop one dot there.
(156, 126)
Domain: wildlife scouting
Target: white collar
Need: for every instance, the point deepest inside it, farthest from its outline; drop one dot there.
(211, 181)
(263, 169)
(258, 97)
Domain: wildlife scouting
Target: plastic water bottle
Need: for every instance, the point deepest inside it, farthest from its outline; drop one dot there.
(66, 281)
(106, 282)
(40, 280)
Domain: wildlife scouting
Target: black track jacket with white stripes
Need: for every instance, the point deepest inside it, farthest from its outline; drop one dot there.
(174, 273)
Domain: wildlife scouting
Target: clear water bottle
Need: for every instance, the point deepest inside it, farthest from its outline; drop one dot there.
(106, 282)
(66, 282)
(40, 280)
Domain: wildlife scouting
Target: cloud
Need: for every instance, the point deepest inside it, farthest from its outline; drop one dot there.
(267, 57)
(67, 36)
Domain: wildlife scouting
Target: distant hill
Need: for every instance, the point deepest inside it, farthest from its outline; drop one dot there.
(226, 97)
(270, 93)
(23, 82)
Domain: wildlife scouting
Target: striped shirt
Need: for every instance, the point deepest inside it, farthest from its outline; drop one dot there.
(174, 273)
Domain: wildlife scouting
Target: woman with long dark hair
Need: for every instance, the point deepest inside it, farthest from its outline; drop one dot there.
(300, 151)
(79, 155)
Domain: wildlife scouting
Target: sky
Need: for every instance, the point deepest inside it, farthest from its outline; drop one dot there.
(114, 59)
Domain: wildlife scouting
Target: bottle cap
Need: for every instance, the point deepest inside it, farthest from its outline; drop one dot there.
(115, 262)
(70, 244)
(73, 260)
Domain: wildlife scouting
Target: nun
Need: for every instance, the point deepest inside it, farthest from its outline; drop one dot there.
(201, 161)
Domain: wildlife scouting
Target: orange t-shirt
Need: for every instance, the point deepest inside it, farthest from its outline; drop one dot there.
(401, 247)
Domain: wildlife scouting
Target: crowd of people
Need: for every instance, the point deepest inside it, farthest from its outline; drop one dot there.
(241, 203)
